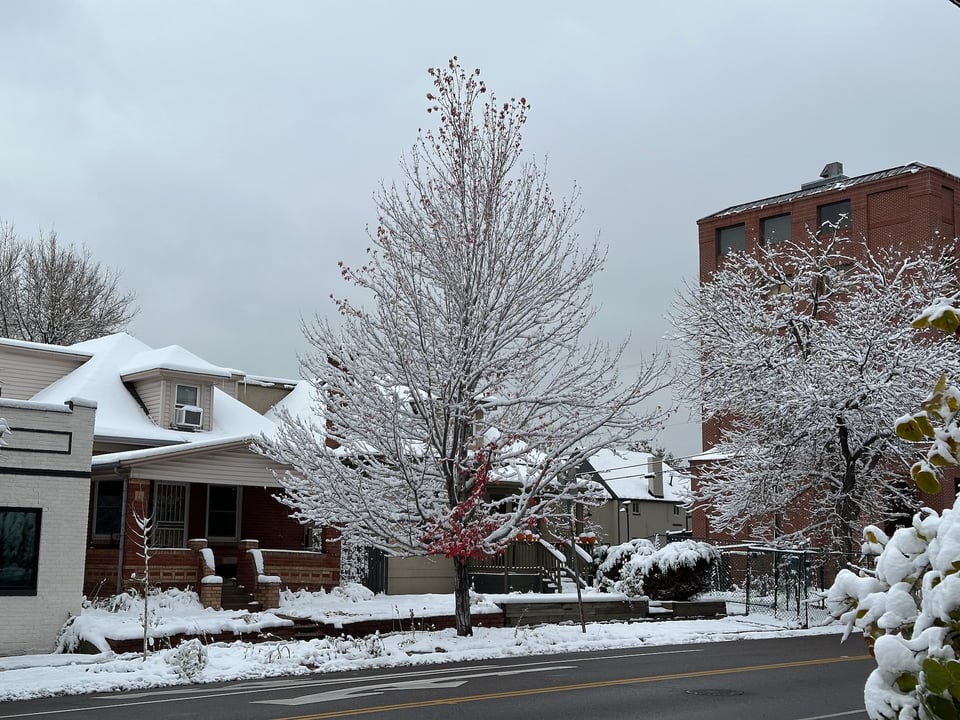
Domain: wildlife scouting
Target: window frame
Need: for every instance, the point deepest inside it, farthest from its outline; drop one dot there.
(723, 251)
(768, 241)
(238, 504)
(844, 219)
(98, 484)
(30, 586)
(176, 395)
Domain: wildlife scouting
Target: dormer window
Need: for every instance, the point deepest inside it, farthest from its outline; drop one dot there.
(188, 410)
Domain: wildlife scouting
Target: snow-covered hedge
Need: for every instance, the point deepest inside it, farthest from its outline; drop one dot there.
(677, 571)
(609, 560)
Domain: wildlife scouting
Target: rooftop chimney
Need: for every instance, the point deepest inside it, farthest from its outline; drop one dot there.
(832, 170)
(655, 475)
(831, 173)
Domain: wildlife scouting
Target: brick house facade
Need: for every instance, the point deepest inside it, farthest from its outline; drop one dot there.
(911, 207)
(173, 437)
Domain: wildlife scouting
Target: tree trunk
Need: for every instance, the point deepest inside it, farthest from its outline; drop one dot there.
(461, 596)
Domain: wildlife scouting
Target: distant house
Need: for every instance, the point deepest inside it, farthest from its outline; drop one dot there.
(44, 479)
(646, 497)
(172, 438)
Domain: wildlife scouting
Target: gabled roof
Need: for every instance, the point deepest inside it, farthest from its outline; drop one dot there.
(839, 184)
(623, 473)
(120, 417)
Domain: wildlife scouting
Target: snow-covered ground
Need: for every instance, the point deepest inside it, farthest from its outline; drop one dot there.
(29, 676)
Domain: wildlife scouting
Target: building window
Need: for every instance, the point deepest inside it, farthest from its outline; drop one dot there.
(834, 216)
(188, 395)
(107, 508)
(635, 507)
(170, 515)
(731, 239)
(19, 550)
(188, 411)
(775, 229)
(676, 510)
(223, 503)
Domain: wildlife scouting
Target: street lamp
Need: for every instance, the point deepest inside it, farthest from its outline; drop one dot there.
(626, 509)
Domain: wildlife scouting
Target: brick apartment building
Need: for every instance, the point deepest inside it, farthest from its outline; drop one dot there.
(908, 207)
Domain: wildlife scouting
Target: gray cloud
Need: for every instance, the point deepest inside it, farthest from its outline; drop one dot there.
(223, 155)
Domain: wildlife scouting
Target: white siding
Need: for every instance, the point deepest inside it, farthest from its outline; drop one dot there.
(150, 392)
(234, 466)
(25, 372)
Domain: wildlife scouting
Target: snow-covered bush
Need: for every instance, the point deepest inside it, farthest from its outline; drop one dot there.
(608, 560)
(909, 607)
(189, 658)
(677, 571)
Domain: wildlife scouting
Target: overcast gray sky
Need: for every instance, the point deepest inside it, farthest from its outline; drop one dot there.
(223, 155)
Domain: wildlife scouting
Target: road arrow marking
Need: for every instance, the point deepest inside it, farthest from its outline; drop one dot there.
(380, 688)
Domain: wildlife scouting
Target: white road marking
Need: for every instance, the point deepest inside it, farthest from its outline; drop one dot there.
(380, 688)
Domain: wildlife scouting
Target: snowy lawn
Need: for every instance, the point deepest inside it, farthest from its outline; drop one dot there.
(30, 676)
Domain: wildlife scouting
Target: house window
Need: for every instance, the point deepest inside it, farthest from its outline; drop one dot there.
(834, 216)
(775, 229)
(676, 510)
(731, 239)
(635, 507)
(107, 508)
(188, 411)
(223, 503)
(188, 395)
(19, 550)
(170, 515)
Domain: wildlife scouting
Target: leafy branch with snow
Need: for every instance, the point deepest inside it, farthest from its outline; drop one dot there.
(909, 607)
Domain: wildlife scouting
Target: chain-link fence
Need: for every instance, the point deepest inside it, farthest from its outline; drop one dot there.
(788, 584)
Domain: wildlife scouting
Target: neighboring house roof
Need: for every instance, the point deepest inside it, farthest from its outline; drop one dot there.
(299, 403)
(120, 417)
(624, 475)
(174, 357)
(838, 184)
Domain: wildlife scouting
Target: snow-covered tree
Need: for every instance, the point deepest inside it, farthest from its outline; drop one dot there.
(909, 607)
(802, 353)
(56, 293)
(457, 405)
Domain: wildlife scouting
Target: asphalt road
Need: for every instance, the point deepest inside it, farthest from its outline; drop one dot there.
(809, 678)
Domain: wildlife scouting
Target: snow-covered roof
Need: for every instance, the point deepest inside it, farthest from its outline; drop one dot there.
(299, 403)
(9, 342)
(173, 357)
(625, 474)
(119, 415)
(838, 183)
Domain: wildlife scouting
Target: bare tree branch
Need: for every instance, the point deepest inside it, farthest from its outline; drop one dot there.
(57, 294)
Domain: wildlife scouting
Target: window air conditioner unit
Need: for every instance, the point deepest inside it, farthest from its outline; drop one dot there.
(189, 416)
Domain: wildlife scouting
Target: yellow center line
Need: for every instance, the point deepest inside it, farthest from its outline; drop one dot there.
(568, 688)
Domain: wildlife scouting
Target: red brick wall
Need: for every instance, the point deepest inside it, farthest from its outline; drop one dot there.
(267, 520)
